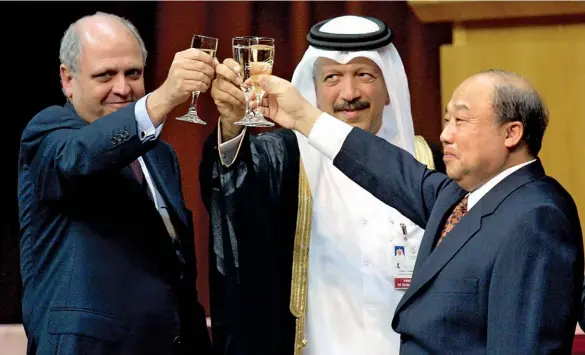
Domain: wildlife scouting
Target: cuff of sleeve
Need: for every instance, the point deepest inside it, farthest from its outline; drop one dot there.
(328, 135)
(146, 130)
(228, 151)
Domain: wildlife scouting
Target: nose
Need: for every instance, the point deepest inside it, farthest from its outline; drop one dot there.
(349, 90)
(121, 86)
(447, 133)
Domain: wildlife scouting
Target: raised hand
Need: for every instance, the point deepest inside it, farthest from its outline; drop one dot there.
(228, 97)
(191, 70)
(285, 105)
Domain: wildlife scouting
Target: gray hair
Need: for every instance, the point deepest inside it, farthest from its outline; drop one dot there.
(516, 100)
(70, 50)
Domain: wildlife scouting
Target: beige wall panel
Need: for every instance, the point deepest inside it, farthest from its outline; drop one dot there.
(537, 33)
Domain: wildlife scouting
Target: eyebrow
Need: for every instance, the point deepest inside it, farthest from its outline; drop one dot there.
(458, 107)
(357, 67)
(114, 71)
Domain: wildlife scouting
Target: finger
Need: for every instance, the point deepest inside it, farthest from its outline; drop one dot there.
(230, 63)
(195, 85)
(265, 111)
(230, 71)
(253, 104)
(270, 103)
(196, 75)
(196, 65)
(222, 98)
(222, 88)
(198, 54)
(229, 88)
(271, 84)
(261, 79)
(252, 97)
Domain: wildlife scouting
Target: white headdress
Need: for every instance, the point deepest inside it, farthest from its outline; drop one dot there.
(349, 223)
(343, 39)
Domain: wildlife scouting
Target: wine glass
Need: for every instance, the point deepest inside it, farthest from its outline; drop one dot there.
(241, 53)
(260, 60)
(209, 46)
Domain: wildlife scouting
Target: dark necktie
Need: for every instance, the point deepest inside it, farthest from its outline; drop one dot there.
(459, 211)
(137, 170)
(139, 175)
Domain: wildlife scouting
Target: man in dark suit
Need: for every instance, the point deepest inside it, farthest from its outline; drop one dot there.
(107, 249)
(500, 267)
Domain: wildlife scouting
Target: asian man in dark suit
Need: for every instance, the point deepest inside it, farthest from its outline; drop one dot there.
(500, 266)
(107, 245)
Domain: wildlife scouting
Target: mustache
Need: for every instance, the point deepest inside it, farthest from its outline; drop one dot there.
(351, 105)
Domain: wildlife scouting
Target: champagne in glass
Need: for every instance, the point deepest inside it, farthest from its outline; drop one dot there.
(261, 61)
(209, 46)
(241, 53)
(262, 64)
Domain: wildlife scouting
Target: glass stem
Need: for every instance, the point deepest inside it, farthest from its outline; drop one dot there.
(247, 98)
(194, 97)
(259, 94)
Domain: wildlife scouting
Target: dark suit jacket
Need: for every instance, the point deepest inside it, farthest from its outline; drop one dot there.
(100, 273)
(506, 280)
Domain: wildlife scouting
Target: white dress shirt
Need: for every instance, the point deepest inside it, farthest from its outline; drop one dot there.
(147, 132)
(481, 191)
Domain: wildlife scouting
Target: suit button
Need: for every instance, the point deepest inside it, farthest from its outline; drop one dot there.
(114, 141)
(177, 340)
(125, 134)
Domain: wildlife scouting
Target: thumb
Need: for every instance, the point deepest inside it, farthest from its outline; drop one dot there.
(272, 84)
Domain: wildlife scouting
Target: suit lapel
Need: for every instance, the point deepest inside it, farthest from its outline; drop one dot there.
(434, 225)
(429, 261)
(434, 260)
(164, 181)
(440, 256)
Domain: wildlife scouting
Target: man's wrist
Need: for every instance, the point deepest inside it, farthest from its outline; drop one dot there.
(228, 129)
(306, 119)
(157, 107)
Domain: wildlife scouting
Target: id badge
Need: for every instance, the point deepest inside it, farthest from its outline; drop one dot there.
(403, 260)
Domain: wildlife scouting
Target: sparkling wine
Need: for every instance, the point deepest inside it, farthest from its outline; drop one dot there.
(242, 56)
(261, 59)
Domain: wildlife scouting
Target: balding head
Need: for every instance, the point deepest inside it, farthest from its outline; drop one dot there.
(494, 120)
(94, 29)
(102, 65)
(515, 99)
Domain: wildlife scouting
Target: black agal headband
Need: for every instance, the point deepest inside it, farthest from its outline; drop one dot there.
(350, 42)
